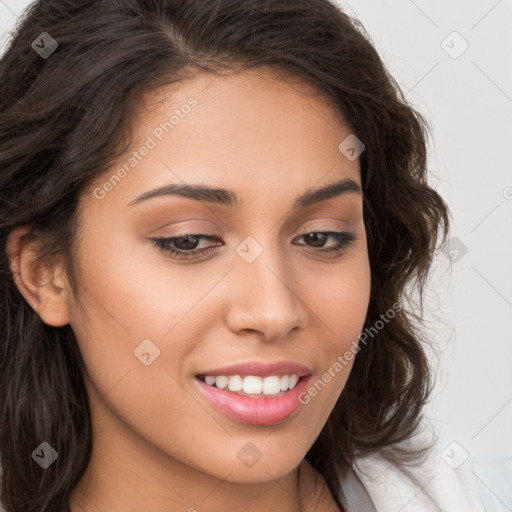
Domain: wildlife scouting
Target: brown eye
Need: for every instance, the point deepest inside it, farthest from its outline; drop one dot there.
(317, 239)
(184, 246)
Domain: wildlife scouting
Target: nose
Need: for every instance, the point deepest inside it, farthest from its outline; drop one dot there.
(262, 297)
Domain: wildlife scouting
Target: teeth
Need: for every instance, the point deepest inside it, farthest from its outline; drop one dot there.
(235, 383)
(293, 381)
(253, 385)
(271, 385)
(221, 381)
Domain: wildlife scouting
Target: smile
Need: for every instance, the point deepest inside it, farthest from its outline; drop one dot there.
(252, 385)
(254, 400)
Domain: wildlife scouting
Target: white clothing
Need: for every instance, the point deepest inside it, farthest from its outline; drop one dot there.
(449, 480)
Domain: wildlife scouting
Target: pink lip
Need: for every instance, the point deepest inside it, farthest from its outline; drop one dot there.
(260, 369)
(257, 410)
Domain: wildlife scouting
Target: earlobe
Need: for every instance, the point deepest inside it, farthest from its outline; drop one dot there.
(42, 285)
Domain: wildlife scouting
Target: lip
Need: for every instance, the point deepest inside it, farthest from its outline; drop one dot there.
(255, 410)
(261, 369)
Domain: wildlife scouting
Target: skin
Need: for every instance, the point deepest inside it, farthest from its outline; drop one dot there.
(159, 444)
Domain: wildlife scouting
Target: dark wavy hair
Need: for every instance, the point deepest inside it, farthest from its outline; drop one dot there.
(65, 118)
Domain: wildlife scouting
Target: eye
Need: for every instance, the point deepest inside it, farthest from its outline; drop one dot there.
(186, 245)
(317, 240)
(343, 239)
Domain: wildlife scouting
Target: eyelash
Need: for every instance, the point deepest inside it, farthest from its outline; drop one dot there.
(344, 238)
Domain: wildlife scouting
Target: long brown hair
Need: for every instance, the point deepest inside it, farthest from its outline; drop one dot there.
(65, 117)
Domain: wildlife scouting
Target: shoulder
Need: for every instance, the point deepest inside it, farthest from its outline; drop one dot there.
(447, 479)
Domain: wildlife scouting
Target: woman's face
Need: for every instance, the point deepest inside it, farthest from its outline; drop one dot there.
(256, 290)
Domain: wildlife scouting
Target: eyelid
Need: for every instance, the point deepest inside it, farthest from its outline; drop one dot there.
(193, 231)
(315, 229)
(336, 222)
(214, 232)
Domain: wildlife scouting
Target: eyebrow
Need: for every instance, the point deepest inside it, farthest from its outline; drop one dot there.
(226, 197)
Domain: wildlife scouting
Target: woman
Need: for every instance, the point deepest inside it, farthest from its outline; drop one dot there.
(211, 213)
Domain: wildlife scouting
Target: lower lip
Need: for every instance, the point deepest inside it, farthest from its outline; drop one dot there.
(255, 411)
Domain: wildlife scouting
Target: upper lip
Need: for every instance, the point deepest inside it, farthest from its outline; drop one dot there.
(261, 369)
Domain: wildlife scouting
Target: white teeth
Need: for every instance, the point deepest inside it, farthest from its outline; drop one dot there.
(221, 381)
(235, 383)
(271, 385)
(253, 385)
(293, 381)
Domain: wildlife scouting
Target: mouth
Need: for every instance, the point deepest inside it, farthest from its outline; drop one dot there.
(253, 399)
(252, 385)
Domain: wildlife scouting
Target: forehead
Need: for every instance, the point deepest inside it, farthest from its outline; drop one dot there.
(250, 131)
(257, 87)
(267, 106)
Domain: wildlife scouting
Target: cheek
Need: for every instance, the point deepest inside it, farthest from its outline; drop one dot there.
(129, 313)
(128, 290)
(342, 306)
(344, 302)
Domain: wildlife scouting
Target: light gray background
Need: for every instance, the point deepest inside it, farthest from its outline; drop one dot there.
(468, 101)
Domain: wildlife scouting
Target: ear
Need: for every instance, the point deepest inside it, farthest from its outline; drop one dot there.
(43, 285)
